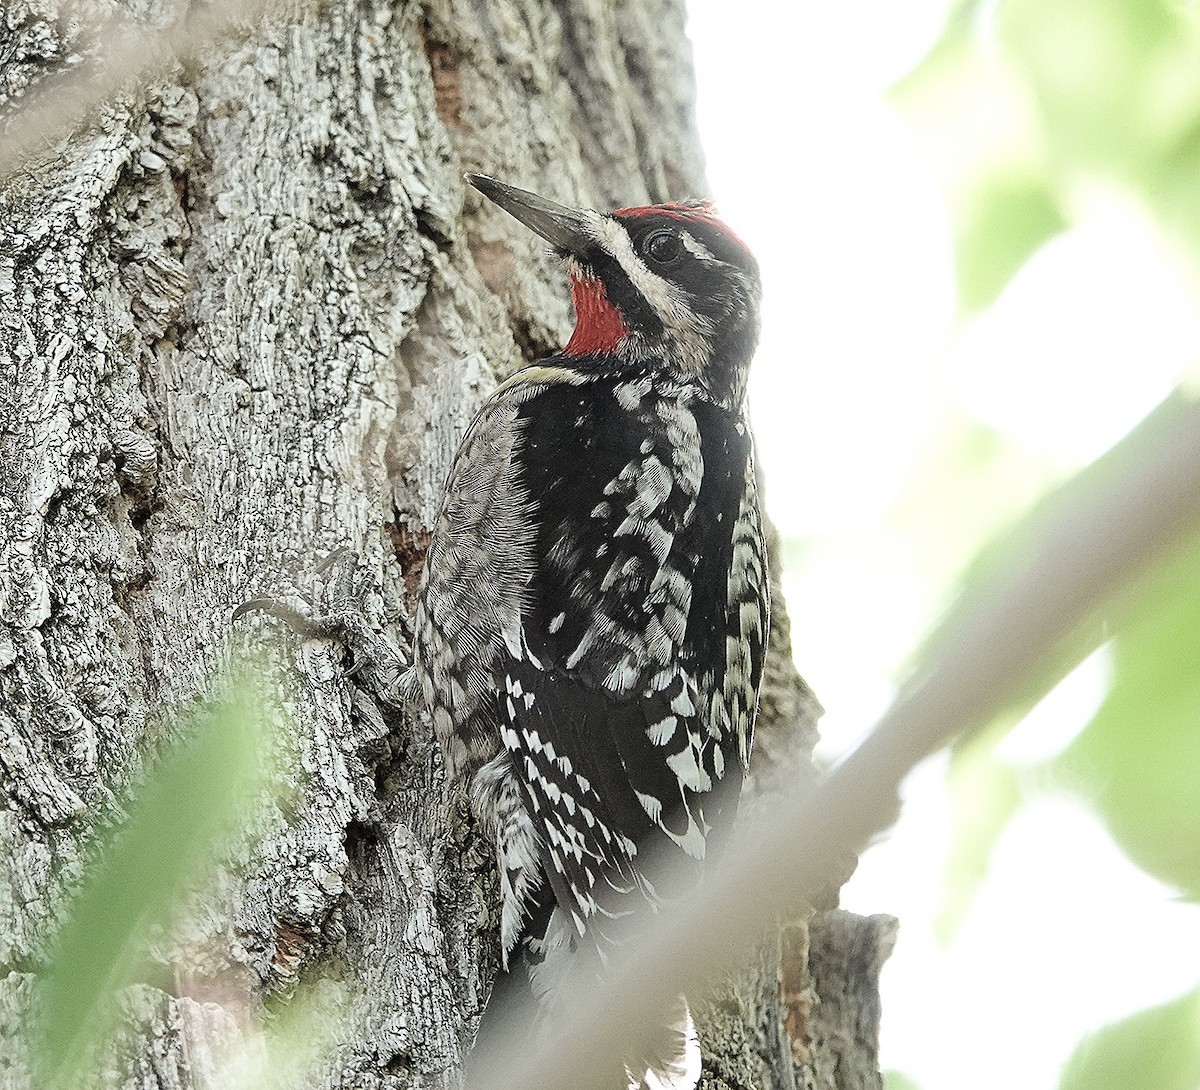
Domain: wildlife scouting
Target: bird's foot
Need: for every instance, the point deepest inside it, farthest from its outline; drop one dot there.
(339, 616)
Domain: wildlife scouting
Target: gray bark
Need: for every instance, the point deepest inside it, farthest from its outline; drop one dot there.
(244, 315)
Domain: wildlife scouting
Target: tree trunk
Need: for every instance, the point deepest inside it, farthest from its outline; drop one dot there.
(246, 312)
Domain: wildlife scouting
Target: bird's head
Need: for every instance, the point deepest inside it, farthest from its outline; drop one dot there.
(668, 284)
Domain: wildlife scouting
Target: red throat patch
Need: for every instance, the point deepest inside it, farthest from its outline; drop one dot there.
(599, 326)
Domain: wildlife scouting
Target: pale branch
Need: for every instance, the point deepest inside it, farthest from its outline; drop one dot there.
(1093, 539)
(129, 52)
(993, 650)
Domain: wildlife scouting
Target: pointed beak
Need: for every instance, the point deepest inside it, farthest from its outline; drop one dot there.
(564, 228)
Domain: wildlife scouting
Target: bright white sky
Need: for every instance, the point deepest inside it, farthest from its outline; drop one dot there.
(861, 358)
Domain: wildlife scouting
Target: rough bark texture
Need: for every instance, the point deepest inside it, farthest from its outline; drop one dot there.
(243, 317)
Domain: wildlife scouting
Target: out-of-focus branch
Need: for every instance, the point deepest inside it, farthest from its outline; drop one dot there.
(1091, 540)
(1098, 535)
(117, 55)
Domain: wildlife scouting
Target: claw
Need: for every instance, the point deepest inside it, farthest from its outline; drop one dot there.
(301, 623)
(339, 556)
(341, 618)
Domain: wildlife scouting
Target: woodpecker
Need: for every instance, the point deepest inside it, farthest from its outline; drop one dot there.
(590, 633)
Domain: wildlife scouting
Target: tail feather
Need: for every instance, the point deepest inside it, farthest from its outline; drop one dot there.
(545, 959)
(672, 1059)
(513, 1006)
(545, 964)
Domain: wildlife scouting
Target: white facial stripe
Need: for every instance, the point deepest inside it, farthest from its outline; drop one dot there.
(699, 249)
(689, 331)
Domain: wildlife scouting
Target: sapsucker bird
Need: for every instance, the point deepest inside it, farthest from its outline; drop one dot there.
(590, 634)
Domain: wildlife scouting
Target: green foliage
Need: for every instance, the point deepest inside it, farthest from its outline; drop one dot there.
(1138, 761)
(1028, 110)
(972, 487)
(984, 794)
(979, 126)
(1117, 82)
(302, 1034)
(189, 805)
(1158, 1049)
(1002, 222)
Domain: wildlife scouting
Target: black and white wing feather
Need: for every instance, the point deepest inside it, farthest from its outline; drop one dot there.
(628, 704)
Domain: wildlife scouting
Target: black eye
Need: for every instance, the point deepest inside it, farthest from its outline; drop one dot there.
(662, 247)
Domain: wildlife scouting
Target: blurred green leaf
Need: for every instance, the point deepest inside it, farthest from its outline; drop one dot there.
(1117, 81)
(970, 487)
(1158, 1049)
(979, 127)
(189, 803)
(984, 795)
(970, 110)
(1001, 222)
(1028, 108)
(1138, 761)
(302, 1034)
(895, 1080)
(1079, 499)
